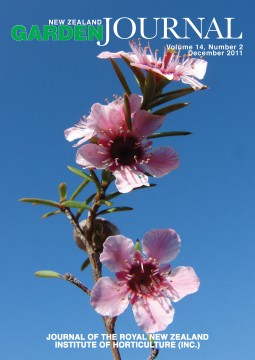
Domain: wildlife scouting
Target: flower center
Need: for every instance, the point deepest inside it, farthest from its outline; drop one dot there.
(144, 278)
(126, 150)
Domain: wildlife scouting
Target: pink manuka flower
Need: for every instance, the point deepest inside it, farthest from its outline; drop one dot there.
(79, 131)
(172, 66)
(126, 153)
(146, 283)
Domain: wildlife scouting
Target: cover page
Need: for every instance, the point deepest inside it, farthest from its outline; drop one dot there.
(127, 180)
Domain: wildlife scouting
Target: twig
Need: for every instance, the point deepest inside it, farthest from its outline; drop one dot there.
(153, 354)
(77, 282)
(86, 237)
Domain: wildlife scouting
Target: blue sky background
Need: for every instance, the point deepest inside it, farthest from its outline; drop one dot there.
(209, 200)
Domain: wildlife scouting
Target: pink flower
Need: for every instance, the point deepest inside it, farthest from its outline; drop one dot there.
(126, 153)
(145, 283)
(172, 66)
(80, 131)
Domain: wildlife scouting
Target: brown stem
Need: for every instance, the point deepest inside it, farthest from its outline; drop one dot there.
(109, 326)
(153, 354)
(86, 237)
(71, 278)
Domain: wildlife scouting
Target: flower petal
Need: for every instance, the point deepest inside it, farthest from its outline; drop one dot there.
(199, 68)
(162, 161)
(153, 314)
(117, 252)
(80, 130)
(128, 179)
(108, 54)
(108, 297)
(135, 102)
(146, 123)
(183, 281)
(107, 120)
(92, 155)
(192, 82)
(161, 244)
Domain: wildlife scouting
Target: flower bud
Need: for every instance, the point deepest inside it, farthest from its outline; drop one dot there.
(101, 230)
(62, 189)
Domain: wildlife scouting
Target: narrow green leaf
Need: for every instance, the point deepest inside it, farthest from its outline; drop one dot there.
(105, 202)
(85, 264)
(79, 189)
(115, 209)
(170, 108)
(106, 177)
(76, 204)
(171, 95)
(81, 211)
(137, 72)
(113, 195)
(168, 133)
(90, 198)
(144, 187)
(148, 90)
(117, 193)
(127, 112)
(51, 214)
(48, 274)
(80, 173)
(162, 82)
(36, 201)
(120, 76)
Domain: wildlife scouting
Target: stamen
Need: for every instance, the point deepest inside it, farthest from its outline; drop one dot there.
(130, 276)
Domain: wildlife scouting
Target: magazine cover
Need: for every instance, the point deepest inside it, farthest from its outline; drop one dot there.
(127, 154)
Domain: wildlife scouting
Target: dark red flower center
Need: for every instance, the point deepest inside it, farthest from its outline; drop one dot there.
(145, 278)
(126, 150)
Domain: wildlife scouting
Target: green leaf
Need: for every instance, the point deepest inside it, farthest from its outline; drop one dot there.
(80, 173)
(81, 211)
(114, 209)
(148, 90)
(51, 214)
(137, 72)
(170, 108)
(106, 177)
(162, 81)
(168, 133)
(172, 95)
(113, 195)
(85, 264)
(76, 204)
(105, 202)
(90, 198)
(120, 76)
(79, 189)
(36, 201)
(95, 179)
(48, 274)
(117, 193)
